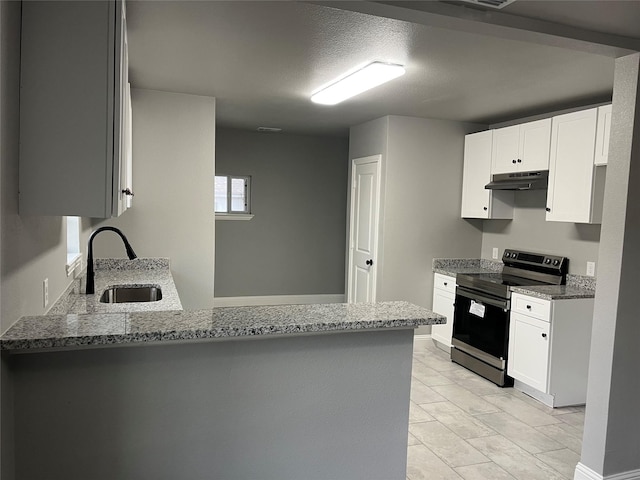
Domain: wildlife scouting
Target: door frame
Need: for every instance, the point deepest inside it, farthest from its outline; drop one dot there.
(377, 159)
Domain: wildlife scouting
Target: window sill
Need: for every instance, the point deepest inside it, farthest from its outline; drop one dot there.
(74, 260)
(234, 216)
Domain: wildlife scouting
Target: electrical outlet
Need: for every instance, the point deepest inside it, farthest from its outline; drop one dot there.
(495, 254)
(45, 292)
(591, 269)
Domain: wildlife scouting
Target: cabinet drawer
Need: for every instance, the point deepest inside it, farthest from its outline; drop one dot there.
(444, 282)
(532, 306)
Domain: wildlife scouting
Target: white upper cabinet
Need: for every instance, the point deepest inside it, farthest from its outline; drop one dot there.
(74, 113)
(478, 202)
(521, 148)
(576, 186)
(602, 135)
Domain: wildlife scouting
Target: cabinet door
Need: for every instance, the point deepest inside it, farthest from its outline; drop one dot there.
(443, 304)
(529, 351)
(477, 201)
(122, 187)
(571, 169)
(504, 153)
(603, 131)
(534, 146)
(70, 128)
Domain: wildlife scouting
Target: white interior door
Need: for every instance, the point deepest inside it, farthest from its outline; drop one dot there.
(363, 229)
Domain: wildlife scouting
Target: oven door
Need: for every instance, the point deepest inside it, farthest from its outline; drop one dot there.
(481, 326)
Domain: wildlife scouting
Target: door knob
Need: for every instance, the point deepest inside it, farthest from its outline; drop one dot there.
(369, 262)
(544, 335)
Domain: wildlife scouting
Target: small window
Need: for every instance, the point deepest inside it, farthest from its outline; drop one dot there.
(74, 257)
(232, 195)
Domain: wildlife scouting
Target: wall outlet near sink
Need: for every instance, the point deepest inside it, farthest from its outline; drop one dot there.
(591, 269)
(494, 255)
(45, 292)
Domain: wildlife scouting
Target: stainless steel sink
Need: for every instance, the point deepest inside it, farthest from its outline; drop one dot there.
(131, 294)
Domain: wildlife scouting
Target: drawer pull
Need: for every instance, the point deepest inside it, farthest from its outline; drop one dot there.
(528, 307)
(544, 335)
(445, 284)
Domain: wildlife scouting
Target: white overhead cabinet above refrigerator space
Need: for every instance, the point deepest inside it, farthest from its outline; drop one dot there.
(576, 185)
(75, 114)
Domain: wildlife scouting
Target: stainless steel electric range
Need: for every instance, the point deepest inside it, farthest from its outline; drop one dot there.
(483, 301)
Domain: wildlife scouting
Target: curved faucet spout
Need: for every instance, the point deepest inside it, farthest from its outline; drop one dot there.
(90, 288)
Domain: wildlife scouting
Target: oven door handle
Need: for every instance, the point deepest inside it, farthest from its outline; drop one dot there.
(473, 295)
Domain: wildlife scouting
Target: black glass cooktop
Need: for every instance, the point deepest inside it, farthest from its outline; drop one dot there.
(494, 283)
(507, 280)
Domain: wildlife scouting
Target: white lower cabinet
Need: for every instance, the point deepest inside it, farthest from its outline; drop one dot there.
(529, 337)
(444, 296)
(549, 344)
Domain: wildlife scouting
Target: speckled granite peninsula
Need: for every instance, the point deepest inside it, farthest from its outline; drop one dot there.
(288, 392)
(82, 330)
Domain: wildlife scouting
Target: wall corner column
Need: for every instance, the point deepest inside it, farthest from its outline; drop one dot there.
(612, 424)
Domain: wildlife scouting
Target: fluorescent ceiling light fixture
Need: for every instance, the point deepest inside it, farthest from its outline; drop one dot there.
(368, 77)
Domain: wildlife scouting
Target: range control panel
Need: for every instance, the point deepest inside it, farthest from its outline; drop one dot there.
(523, 259)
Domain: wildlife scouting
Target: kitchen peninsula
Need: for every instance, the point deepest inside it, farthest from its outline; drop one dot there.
(277, 392)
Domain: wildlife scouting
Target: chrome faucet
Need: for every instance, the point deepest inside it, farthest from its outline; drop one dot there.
(90, 273)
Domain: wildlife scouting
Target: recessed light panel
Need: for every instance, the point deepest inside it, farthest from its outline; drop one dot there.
(371, 76)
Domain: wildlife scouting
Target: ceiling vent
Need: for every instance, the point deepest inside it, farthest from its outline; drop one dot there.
(498, 4)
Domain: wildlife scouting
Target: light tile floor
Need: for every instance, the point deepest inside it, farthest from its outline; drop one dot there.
(462, 426)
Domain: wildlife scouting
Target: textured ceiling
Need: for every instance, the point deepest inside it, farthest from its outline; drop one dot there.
(261, 60)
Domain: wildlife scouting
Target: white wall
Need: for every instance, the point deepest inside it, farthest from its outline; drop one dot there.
(173, 170)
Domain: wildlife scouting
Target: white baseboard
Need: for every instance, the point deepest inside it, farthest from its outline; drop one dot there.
(585, 473)
(277, 300)
(420, 342)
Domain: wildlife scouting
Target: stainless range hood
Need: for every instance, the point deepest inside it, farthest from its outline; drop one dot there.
(519, 181)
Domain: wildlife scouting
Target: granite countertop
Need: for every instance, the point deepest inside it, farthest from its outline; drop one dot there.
(73, 331)
(578, 286)
(556, 292)
(453, 266)
(110, 272)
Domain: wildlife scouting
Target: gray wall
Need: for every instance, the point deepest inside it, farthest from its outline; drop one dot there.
(420, 201)
(32, 248)
(612, 422)
(173, 169)
(423, 188)
(531, 232)
(295, 243)
(309, 407)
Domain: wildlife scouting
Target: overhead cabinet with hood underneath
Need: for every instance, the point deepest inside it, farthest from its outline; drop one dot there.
(521, 148)
(563, 154)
